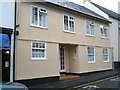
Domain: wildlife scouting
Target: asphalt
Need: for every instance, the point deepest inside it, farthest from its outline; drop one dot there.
(84, 78)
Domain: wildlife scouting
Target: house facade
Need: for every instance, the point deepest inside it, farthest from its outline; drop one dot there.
(114, 28)
(7, 22)
(55, 37)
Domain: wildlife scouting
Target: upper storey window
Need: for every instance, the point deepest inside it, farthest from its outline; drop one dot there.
(69, 23)
(90, 28)
(38, 16)
(103, 29)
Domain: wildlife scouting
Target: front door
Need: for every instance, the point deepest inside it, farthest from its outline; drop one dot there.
(62, 59)
(5, 65)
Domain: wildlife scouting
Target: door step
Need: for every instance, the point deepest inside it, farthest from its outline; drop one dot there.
(66, 76)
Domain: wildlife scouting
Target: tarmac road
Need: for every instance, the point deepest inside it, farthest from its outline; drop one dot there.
(110, 83)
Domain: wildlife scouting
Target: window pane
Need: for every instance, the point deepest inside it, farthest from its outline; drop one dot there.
(103, 31)
(43, 10)
(90, 50)
(88, 27)
(65, 22)
(41, 45)
(92, 30)
(72, 26)
(34, 15)
(42, 19)
(91, 58)
(105, 57)
(36, 45)
(105, 51)
(71, 23)
(33, 53)
(33, 45)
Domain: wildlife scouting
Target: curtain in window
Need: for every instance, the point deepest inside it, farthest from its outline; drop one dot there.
(34, 15)
(42, 19)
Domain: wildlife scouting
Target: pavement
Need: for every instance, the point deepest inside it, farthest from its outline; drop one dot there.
(84, 78)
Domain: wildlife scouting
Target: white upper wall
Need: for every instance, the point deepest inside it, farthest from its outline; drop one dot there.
(7, 14)
(114, 37)
(95, 9)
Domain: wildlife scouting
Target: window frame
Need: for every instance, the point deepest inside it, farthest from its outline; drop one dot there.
(45, 53)
(68, 24)
(91, 30)
(102, 28)
(88, 54)
(105, 55)
(38, 22)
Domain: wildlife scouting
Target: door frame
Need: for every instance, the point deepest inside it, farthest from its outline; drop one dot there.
(62, 46)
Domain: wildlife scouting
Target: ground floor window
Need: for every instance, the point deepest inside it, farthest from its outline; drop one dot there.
(91, 54)
(38, 50)
(105, 55)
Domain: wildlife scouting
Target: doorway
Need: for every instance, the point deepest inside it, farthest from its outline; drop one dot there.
(5, 65)
(5, 56)
(62, 59)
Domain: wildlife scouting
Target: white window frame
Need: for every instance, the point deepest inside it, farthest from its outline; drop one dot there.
(91, 24)
(45, 53)
(103, 27)
(90, 54)
(38, 22)
(105, 54)
(69, 24)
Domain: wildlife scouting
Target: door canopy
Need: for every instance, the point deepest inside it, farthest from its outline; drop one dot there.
(4, 41)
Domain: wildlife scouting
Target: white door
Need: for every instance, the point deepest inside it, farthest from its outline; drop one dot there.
(62, 59)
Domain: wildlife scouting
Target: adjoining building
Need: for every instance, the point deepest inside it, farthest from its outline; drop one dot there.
(7, 18)
(60, 37)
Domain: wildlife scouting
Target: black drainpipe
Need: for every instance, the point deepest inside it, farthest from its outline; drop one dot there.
(14, 40)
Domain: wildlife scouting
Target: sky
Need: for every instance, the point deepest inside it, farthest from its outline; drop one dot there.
(109, 4)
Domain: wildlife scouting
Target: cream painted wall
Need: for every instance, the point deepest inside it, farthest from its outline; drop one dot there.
(26, 68)
(98, 65)
(53, 35)
(72, 61)
(54, 32)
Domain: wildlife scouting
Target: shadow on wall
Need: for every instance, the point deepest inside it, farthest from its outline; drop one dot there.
(117, 66)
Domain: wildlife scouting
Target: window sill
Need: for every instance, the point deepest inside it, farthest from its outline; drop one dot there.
(69, 32)
(106, 61)
(90, 35)
(104, 38)
(38, 59)
(91, 62)
(38, 27)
